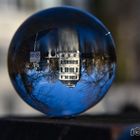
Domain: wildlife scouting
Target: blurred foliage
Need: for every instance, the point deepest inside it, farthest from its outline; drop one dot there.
(115, 14)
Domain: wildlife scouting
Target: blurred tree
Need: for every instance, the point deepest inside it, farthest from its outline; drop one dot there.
(23, 4)
(78, 3)
(122, 18)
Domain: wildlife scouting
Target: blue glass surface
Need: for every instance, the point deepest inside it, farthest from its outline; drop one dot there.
(62, 61)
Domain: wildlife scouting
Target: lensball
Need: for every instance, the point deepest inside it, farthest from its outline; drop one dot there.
(62, 61)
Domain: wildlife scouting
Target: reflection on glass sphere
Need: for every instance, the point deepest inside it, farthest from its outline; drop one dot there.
(62, 61)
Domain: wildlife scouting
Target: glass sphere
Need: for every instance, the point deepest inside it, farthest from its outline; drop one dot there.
(62, 61)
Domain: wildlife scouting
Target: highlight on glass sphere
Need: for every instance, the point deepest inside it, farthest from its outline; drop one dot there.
(62, 61)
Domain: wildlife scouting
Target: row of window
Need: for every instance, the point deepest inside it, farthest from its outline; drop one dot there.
(69, 61)
(70, 70)
(53, 53)
(68, 55)
(69, 77)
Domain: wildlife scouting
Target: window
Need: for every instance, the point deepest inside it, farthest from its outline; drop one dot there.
(74, 55)
(68, 55)
(67, 62)
(72, 77)
(62, 55)
(66, 77)
(62, 62)
(71, 70)
(66, 69)
(52, 53)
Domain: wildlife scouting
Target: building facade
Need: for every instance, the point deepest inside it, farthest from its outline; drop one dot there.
(64, 57)
(69, 57)
(69, 68)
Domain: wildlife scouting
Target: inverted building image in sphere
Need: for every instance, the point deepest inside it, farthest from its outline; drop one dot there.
(62, 61)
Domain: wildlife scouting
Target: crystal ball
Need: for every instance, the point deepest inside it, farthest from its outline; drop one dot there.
(62, 61)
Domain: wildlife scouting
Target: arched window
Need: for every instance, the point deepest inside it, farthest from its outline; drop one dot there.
(53, 53)
(61, 69)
